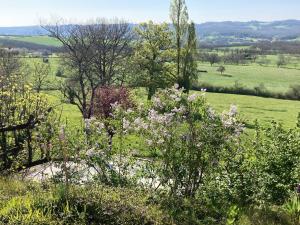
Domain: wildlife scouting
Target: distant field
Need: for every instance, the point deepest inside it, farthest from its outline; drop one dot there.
(263, 109)
(252, 75)
(53, 82)
(41, 40)
(250, 108)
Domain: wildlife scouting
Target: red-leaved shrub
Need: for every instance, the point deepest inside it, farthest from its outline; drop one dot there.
(106, 96)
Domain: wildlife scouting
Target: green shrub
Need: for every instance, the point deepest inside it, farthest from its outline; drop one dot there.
(84, 205)
(292, 209)
(59, 72)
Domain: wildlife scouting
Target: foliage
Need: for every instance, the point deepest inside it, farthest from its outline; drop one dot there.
(281, 61)
(292, 208)
(153, 57)
(190, 66)
(188, 138)
(32, 204)
(221, 69)
(24, 116)
(41, 73)
(213, 58)
(277, 159)
(180, 19)
(106, 97)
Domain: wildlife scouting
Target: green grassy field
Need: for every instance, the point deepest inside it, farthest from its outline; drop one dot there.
(70, 114)
(41, 40)
(251, 108)
(252, 75)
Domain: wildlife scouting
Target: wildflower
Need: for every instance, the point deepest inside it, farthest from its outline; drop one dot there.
(126, 124)
(91, 152)
(62, 136)
(233, 110)
(181, 109)
(192, 97)
(211, 113)
(149, 142)
(157, 102)
(129, 111)
(160, 141)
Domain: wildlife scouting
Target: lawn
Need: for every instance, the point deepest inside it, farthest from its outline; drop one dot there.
(41, 40)
(252, 75)
(265, 110)
(69, 113)
(251, 108)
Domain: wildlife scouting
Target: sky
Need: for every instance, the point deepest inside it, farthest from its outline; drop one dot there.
(30, 12)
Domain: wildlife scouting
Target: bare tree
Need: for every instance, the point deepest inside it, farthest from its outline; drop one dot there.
(41, 72)
(9, 62)
(179, 16)
(111, 46)
(78, 57)
(94, 55)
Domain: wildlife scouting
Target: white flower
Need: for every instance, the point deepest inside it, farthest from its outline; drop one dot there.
(211, 113)
(126, 124)
(91, 152)
(181, 109)
(192, 97)
(160, 141)
(140, 124)
(157, 102)
(149, 142)
(233, 110)
(129, 111)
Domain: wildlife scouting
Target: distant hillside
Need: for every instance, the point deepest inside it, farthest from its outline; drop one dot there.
(248, 32)
(22, 31)
(217, 33)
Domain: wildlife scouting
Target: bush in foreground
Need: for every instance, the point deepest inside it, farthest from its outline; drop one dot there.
(29, 203)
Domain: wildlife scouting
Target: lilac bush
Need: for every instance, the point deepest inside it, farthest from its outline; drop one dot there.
(188, 137)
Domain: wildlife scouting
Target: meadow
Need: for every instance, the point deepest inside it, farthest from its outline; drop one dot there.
(41, 40)
(253, 108)
(250, 76)
(250, 108)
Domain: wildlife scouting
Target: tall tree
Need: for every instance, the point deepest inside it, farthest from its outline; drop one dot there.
(78, 55)
(153, 53)
(111, 45)
(179, 16)
(94, 55)
(189, 59)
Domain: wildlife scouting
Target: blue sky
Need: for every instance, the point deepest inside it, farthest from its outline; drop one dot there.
(29, 12)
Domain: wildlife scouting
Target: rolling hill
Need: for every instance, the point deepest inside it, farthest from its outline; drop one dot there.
(216, 33)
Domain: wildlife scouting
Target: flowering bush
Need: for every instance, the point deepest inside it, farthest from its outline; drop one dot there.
(187, 136)
(109, 147)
